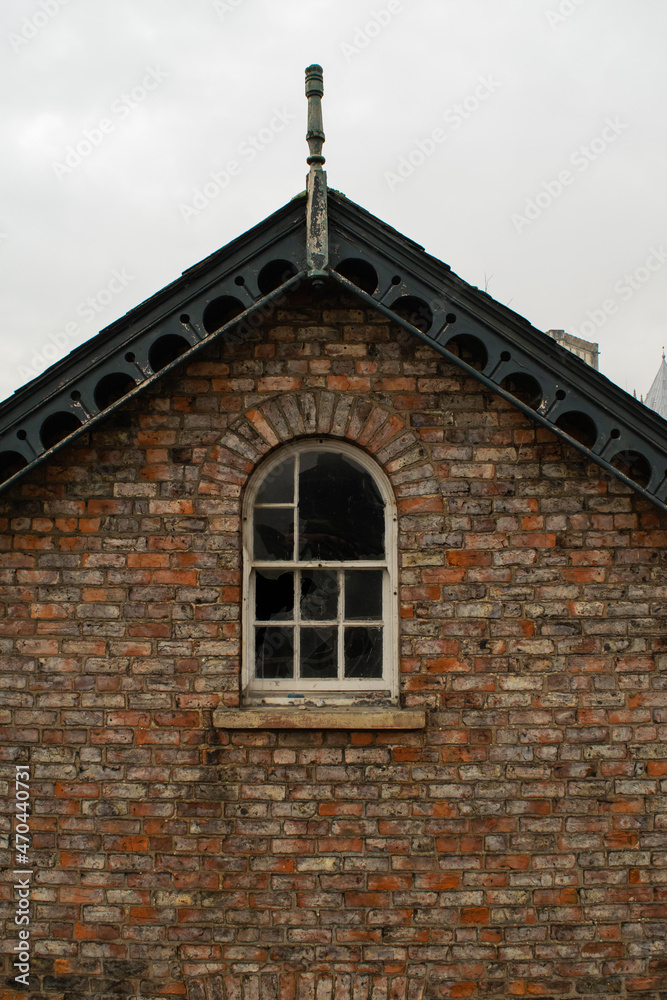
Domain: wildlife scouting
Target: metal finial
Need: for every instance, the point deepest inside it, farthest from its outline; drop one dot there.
(317, 227)
(315, 133)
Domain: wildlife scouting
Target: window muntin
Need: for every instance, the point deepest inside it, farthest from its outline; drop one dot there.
(318, 505)
(320, 594)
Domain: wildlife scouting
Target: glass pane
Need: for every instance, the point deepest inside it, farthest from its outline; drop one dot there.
(274, 595)
(274, 652)
(278, 485)
(341, 511)
(363, 593)
(319, 594)
(274, 533)
(363, 652)
(319, 653)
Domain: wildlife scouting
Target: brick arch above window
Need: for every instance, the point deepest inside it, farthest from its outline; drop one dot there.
(288, 417)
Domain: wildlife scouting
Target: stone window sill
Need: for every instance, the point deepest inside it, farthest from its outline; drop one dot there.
(319, 718)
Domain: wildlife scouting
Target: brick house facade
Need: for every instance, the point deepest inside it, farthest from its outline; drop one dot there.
(499, 831)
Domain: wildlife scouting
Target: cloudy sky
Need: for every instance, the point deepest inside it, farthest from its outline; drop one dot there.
(521, 141)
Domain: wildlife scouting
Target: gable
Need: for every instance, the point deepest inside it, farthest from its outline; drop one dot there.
(237, 287)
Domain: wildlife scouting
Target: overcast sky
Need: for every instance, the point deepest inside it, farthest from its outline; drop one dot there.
(521, 141)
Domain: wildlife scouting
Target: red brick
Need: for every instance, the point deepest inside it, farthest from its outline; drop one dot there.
(474, 915)
(324, 865)
(411, 505)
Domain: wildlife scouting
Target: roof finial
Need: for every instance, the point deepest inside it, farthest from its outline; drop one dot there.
(317, 234)
(315, 133)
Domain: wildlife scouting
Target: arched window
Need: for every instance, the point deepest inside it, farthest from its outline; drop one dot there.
(320, 604)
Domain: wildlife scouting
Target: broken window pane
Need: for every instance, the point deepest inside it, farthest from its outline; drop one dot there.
(319, 594)
(274, 595)
(341, 512)
(274, 652)
(363, 652)
(363, 593)
(274, 533)
(278, 485)
(319, 653)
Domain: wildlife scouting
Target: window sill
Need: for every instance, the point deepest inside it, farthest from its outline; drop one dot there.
(319, 718)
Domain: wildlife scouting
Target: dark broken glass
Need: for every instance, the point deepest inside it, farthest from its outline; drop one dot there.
(273, 536)
(319, 594)
(274, 652)
(363, 593)
(274, 595)
(319, 653)
(341, 511)
(278, 485)
(363, 652)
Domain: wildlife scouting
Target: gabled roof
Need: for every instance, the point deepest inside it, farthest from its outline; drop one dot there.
(320, 236)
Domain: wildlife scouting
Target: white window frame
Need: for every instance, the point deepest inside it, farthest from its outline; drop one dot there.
(291, 691)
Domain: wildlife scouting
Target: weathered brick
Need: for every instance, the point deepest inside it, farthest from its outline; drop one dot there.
(513, 847)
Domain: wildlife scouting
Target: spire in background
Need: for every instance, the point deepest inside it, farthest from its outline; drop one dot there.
(656, 397)
(317, 236)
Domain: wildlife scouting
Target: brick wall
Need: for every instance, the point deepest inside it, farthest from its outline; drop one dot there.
(515, 847)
